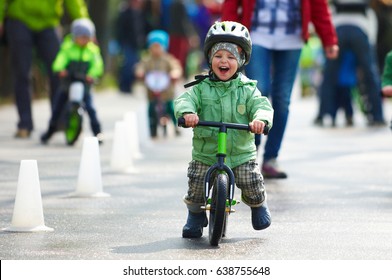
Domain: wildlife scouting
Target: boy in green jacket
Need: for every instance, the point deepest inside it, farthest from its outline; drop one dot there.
(78, 56)
(225, 95)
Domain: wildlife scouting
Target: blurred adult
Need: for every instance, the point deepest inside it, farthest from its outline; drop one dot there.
(202, 20)
(30, 25)
(383, 10)
(356, 27)
(278, 31)
(181, 31)
(131, 30)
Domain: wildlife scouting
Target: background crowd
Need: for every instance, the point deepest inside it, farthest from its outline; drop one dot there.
(348, 75)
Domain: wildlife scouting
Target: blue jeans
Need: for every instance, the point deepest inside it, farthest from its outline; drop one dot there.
(126, 76)
(275, 71)
(22, 41)
(343, 100)
(352, 38)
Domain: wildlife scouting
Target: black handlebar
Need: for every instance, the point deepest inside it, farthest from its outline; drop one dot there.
(181, 122)
(80, 77)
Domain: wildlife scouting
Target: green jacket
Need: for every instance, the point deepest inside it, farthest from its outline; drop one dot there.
(71, 52)
(41, 14)
(387, 73)
(234, 101)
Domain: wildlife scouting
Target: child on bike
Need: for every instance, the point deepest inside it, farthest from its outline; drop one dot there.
(160, 62)
(79, 58)
(225, 95)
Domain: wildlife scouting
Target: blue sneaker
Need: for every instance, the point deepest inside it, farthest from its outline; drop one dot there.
(194, 225)
(261, 217)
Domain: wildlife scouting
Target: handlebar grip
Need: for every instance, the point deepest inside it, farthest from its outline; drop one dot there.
(266, 130)
(181, 122)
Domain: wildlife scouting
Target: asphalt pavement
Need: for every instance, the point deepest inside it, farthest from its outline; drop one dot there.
(335, 205)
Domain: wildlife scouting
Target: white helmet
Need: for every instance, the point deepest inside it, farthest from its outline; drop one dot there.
(228, 31)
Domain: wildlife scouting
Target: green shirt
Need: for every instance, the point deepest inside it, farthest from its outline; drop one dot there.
(234, 101)
(41, 14)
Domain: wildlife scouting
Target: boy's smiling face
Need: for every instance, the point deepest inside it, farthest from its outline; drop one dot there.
(82, 41)
(224, 64)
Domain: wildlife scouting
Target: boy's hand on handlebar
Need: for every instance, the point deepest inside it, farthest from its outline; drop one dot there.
(139, 74)
(387, 91)
(257, 127)
(89, 79)
(191, 120)
(63, 73)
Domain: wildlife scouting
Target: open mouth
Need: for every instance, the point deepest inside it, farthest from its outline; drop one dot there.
(224, 69)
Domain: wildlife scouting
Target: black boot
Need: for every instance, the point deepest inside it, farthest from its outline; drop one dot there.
(261, 217)
(194, 225)
(48, 134)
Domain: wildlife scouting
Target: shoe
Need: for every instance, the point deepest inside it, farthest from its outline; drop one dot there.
(349, 121)
(22, 133)
(100, 138)
(319, 121)
(270, 170)
(333, 124)
(47, 135)
(261, 217)
(377, 123)
(194, 225)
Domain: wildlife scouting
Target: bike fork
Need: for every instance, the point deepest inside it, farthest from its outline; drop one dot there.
(220, 167)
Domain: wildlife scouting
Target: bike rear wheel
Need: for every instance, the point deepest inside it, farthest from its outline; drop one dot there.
(217, 222)
(74, 124)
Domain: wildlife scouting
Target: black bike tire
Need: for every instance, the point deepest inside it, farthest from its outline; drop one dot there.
(218, 209)
(74, 125)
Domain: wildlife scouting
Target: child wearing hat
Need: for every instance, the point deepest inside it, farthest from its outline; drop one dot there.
(78, 57)
(225, 95)
(161, 63)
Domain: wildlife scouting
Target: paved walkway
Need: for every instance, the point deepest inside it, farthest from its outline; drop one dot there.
(336, 203)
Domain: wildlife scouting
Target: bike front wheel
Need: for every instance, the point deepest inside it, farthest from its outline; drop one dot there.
(74, 124)
(217, 222)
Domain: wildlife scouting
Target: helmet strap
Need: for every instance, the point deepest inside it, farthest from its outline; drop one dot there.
(198, 79)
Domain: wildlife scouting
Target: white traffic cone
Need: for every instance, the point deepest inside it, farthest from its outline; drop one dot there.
(121, 159)
(28, 212)
(89, 182)
(144, 126)
(132, 134)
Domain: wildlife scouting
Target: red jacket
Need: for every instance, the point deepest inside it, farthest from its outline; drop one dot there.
(315, 11)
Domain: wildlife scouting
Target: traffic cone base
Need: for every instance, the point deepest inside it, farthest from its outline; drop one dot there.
(28, 229)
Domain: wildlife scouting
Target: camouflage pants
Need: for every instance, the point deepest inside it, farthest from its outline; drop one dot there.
(248, 179)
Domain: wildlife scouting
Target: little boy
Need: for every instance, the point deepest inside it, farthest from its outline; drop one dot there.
(158, 60)
(225, 95)
(78, 56)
